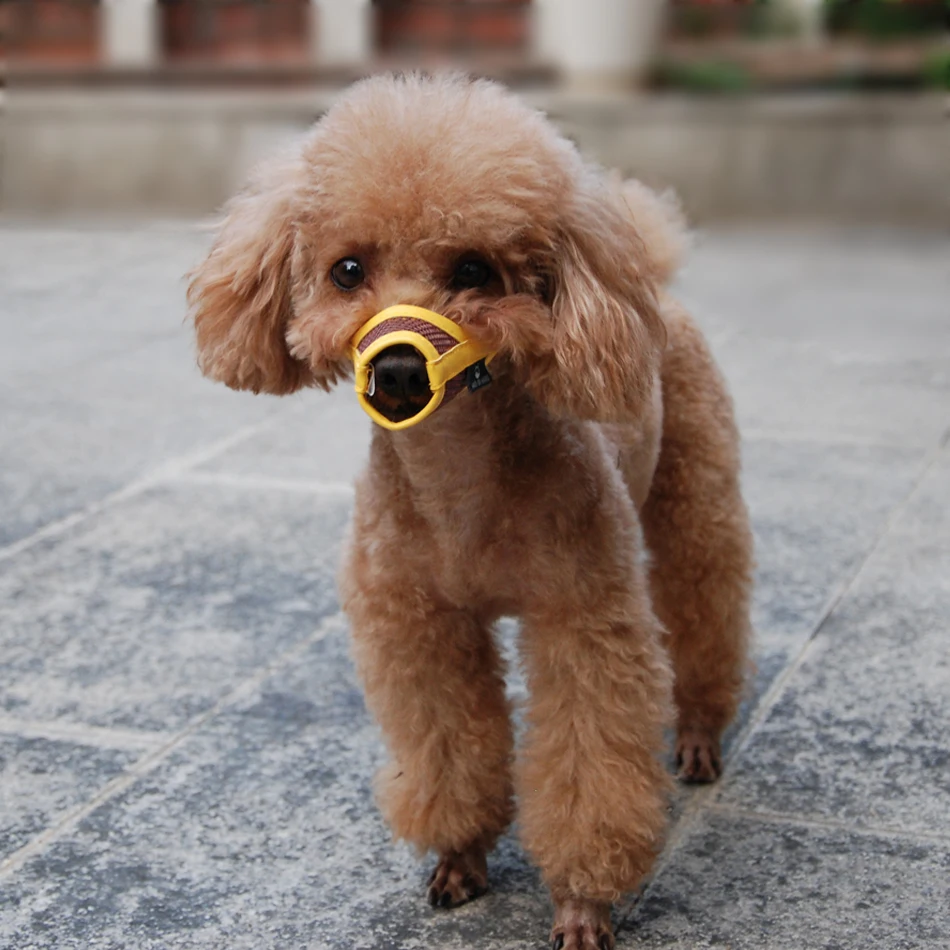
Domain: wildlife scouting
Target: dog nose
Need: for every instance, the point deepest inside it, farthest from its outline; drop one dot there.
(401, 372)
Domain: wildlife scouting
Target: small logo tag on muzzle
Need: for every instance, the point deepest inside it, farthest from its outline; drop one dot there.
(477, 376)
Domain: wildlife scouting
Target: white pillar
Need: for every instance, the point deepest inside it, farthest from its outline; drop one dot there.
(808, 16)
(599, 44)
(130, 32)
(344, 31)
(544, 31)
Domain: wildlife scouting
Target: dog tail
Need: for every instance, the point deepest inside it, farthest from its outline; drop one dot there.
(660, 220)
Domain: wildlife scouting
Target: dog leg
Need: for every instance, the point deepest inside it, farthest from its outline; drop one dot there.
(697, 530)
(434, 680)
(593, 789)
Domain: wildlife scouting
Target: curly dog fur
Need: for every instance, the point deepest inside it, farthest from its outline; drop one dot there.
(592, 490)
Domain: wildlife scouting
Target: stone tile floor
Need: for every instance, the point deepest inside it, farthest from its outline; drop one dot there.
(185, 758)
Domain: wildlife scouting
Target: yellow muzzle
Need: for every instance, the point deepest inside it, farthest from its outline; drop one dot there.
(454, 361)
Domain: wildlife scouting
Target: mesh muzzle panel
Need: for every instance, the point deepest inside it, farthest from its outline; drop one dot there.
(438, 338)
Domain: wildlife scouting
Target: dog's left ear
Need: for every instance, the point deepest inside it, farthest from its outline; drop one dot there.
(607, 333)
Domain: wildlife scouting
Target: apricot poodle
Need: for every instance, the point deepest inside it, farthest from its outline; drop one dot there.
(591, 490)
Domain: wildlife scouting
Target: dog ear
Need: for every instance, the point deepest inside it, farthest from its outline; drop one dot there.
(240, 294)
(607, 333)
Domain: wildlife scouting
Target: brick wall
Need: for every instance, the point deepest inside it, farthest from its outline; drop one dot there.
(406, 26)
(58, 32)
(227, 31)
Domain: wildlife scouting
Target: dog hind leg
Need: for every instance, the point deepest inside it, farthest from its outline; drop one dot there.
(697, 530)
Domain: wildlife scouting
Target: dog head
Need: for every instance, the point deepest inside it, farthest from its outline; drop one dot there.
(450, 195)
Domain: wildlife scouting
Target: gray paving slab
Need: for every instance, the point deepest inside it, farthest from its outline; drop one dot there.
(746, 884)
(789, 390)
(325, 439)
(97, 370)
(74, 296)
(67, 449)
(42, 778)
(808, 544)
(817, 510)
(829, 337)
(186, 758)
(260, 830)
(859, 733)
(861, 294)
(144, 615)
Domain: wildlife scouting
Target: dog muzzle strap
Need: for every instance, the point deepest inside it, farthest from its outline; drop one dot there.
(453, 361)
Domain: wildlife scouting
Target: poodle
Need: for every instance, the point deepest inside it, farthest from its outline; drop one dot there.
(591, 490)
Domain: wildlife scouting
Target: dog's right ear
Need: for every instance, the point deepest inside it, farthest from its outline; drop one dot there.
(240, 294)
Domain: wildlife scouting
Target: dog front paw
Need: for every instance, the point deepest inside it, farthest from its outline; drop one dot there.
(698, 759)
(459, 876)
(582, 925)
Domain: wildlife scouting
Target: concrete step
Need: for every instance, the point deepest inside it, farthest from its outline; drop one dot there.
(880, 158)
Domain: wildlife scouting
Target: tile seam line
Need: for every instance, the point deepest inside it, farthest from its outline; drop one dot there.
(164, 472)
(826, 824)
(707, 796)
(151, 760)
(86, 734)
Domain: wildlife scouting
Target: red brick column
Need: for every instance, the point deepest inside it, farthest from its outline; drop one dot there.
(236, 31)
(470, 26)
(51, 32)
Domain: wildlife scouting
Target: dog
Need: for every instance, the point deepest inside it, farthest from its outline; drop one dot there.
(591, 490)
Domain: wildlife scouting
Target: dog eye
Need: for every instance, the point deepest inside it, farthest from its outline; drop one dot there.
(347, 274)
(471, 273)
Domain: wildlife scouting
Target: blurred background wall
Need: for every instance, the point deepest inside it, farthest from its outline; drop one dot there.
(827, 109)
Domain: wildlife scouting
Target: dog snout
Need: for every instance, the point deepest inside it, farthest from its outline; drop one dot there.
(401, 373)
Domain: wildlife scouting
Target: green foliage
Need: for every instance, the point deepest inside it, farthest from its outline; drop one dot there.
(937, 70)
(705, 76)
(884, 19)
